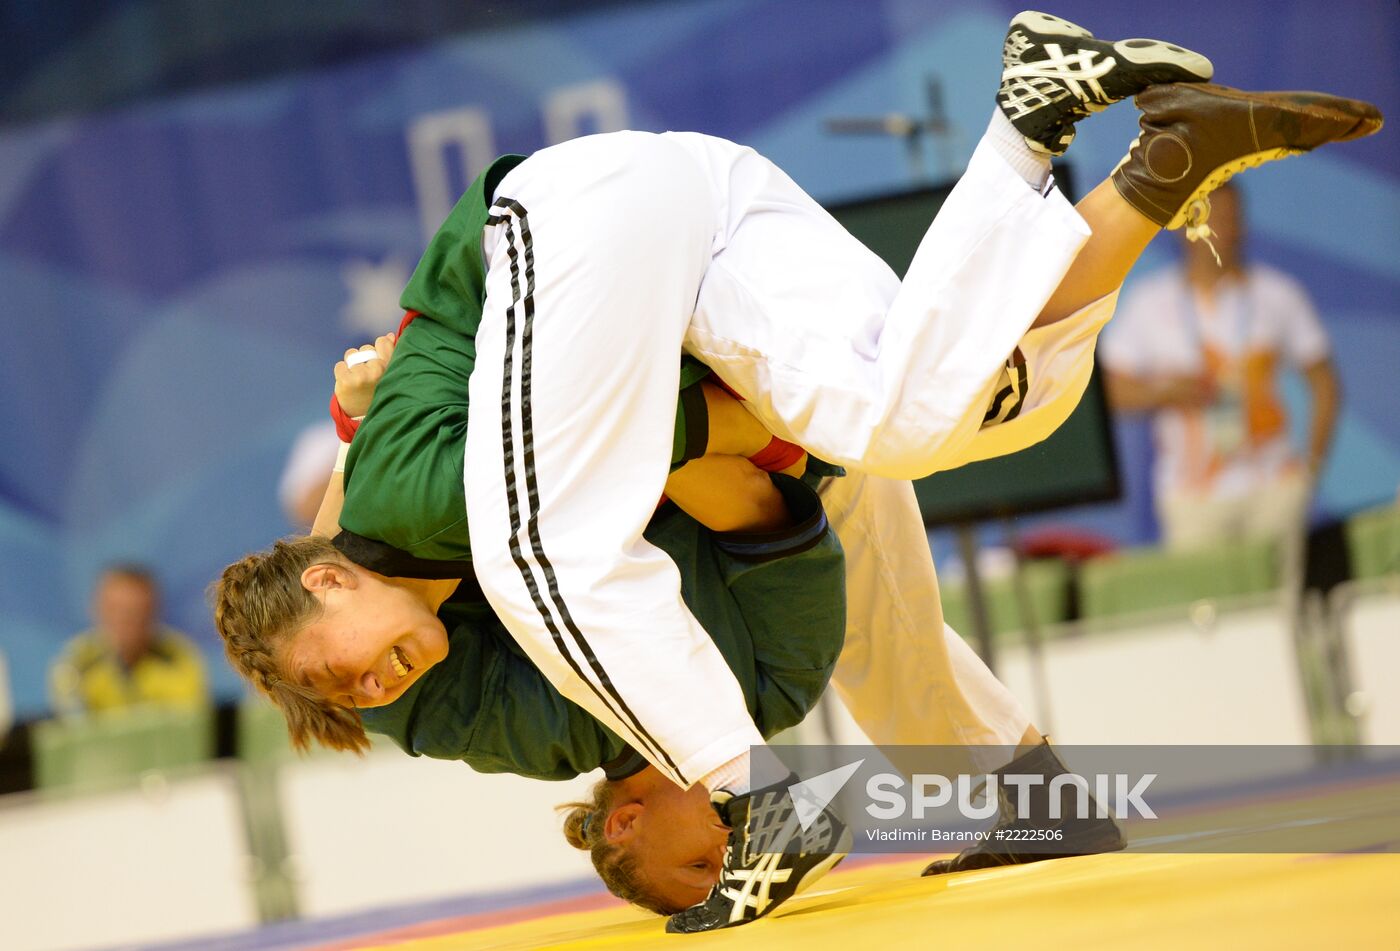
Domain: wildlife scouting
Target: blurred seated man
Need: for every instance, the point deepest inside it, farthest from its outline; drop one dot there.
(1200, 347)
(128, 658)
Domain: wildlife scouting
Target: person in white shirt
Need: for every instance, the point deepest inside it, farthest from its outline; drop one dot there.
(1200, 347)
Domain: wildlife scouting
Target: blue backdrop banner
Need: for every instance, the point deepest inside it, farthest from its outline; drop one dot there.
(180, 274)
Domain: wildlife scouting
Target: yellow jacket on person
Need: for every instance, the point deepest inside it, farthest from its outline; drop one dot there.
(89, 677)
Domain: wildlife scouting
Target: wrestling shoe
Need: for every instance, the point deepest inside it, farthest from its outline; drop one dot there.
(769, 858)
(1196, 137)
(1055, 73)
(1055, 838)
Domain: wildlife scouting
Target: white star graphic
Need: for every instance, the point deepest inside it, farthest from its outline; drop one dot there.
(373, 304)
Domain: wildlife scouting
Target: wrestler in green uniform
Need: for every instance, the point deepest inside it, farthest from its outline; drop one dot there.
(773, 603)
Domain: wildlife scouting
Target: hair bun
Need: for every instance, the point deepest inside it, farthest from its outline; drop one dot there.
(576, 824)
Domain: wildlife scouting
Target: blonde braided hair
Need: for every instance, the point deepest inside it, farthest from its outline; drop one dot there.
(583, 828)
(259, 605)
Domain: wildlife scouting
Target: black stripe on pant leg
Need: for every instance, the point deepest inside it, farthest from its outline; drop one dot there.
(1021, 384)
(512, 489)
(996, 404)
(533, 496)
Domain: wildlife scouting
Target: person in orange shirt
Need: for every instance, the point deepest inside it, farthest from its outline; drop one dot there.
(1200, 347)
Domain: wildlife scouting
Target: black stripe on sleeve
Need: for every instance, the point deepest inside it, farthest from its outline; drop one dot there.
(532, 491)
(608, 693)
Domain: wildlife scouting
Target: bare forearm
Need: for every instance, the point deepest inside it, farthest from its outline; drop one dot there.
(327, 521)
(728, 494)
(733, 431)
(354, 390)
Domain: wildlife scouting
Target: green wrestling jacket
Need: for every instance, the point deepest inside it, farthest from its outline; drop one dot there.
(774, 604)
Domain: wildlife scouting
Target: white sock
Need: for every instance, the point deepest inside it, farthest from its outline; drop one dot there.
(733, 776)
(1011, 145)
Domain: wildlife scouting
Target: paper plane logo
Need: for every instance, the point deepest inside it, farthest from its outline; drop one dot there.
(811, 796)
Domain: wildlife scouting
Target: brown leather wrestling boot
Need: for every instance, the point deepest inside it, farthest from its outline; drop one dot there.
(1195, 137)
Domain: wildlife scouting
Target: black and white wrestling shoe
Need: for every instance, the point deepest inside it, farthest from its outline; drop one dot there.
(770, 857)
(1055, 73)
(1035, 812)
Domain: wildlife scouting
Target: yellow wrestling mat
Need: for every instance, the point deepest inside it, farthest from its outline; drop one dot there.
(1333, 901)
(1176, 902)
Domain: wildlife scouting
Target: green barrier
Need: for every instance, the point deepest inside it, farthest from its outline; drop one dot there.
(1047, 584)
(261, 732)
(107, 748)
(260, 735)
(1143, 579)
(1373, 542)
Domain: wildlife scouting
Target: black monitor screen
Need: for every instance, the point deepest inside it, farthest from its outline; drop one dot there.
(1074, 466)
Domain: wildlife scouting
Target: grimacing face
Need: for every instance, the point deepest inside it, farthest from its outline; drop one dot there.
(676, 840)
(372, 640)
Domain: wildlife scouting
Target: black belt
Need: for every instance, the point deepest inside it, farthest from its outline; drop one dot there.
(392, 562)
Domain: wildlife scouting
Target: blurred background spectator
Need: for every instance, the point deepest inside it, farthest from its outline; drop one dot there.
(128, 658)
(1199, 346)
(306, 472)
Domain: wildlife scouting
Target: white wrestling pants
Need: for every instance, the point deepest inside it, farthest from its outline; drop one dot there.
(611, 254)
